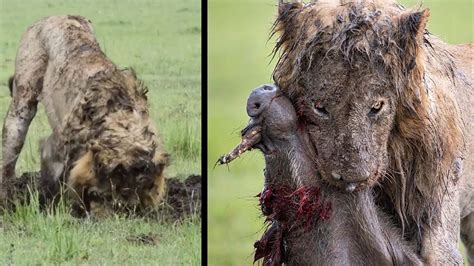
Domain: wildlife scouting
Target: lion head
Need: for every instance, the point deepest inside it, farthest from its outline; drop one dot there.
(118, 159)
(373, 90)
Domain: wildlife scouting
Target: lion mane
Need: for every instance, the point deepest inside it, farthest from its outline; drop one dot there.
(112, 125)
(427, 135)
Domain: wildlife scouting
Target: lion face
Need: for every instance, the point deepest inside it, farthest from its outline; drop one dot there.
(349, 113)
(137, 183)
(348, 68)
(124, 185)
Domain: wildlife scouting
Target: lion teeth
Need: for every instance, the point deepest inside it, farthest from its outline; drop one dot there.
(336, 175)
(351, 187)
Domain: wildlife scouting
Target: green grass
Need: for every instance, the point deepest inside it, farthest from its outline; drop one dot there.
(31, 237)
(161, 40)
(238, 62)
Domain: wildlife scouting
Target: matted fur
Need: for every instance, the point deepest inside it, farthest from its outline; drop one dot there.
(318, 225)
(426, 143)
(104, 146)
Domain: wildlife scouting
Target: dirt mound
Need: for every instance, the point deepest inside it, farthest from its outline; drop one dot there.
(183, 197)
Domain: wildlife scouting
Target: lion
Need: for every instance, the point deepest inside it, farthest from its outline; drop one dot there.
(383, 103)
(104, 151)
(317, 224)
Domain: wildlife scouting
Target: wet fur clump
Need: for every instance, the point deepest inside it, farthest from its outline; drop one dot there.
(332, 50)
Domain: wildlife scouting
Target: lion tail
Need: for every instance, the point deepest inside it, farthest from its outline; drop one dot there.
(10, 85)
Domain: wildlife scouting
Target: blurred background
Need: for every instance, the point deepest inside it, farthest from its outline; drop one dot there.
(239, 60)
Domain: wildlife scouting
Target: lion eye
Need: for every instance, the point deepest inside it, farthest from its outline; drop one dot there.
(320, 109)
(376, 107)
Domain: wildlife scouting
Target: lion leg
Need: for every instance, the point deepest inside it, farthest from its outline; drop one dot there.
(26, 86)
(52, 169)
(467, 236)
(20, 113)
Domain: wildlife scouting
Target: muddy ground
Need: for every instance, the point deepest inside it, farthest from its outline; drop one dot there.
(183, 197)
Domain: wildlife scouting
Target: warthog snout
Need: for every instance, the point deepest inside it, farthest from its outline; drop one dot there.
(259, 99)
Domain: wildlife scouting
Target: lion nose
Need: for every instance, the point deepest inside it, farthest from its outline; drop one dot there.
(259, 99)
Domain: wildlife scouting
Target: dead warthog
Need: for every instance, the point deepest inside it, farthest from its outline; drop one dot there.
(104, 147)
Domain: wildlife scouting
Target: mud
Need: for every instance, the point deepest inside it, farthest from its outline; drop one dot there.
(183, 197)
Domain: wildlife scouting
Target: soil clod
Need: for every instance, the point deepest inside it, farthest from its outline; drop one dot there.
(144, 239)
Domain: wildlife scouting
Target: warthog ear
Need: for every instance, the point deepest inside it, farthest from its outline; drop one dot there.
(410, 37)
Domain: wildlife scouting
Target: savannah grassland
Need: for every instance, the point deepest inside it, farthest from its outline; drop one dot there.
(239, 61)
(161, 40)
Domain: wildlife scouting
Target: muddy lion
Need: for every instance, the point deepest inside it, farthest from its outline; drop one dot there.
(381, 104)
(315, 224)
(103, 148)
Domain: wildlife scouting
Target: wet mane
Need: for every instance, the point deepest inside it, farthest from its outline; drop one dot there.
(112, 113)
(426, 137)
(373, 32)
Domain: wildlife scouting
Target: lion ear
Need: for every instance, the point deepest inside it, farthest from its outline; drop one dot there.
(286, 22)
(284, 7)
(411, 31)
(413, 24)
(129, 72)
